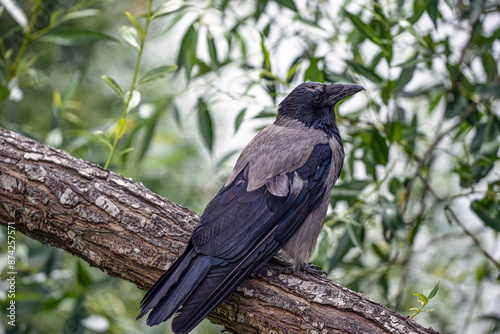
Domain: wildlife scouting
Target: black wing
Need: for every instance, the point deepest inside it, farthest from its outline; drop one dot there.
(245, 229)
(238, 232)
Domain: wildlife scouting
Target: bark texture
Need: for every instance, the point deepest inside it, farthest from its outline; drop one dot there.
(119, 226)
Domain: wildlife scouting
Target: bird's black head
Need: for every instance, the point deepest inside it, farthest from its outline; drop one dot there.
(313, 104)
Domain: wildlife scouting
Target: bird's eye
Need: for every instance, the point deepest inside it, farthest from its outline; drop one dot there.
(316, 99)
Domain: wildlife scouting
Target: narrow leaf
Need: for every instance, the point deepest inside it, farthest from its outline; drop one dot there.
(432, 10)
(175, 112)
(187, 53)
(434, 290)
(344, 244)
(4, 93)
(157, 73)
(293, 70)
(205, 124)
(267, 60)
(422, 297)
(212, 50)
(74, 36)
(288, 4)
(56, 97)
(488, 211)
(120, 128)
(364, 28)
(490, 66)
(239, 119)
(129, 35)
(134, 99)
(137, 26)
(168, 7)
(365, 71)
(113, 84)
(80, 14)
(404, 78)
(83, 277)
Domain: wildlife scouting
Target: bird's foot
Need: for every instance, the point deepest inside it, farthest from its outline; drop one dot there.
(282, 262)
(287, 270)
(314, 269)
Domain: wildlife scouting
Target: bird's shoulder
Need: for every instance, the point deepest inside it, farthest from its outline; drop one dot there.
(277, 150)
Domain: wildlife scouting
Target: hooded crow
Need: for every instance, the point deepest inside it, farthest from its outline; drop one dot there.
(276, 197)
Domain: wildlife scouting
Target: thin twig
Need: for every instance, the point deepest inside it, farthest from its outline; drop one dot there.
(430, 150)
(472, 236)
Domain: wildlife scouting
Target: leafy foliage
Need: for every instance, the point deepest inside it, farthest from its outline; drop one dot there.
(418, 199)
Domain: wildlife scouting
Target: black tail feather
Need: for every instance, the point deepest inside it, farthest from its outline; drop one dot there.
(166, 282)
(218, 284)
(177, 295)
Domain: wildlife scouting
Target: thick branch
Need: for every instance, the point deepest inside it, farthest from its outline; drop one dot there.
(119, 226)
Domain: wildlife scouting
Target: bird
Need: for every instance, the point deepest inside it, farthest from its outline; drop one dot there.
(276, 197)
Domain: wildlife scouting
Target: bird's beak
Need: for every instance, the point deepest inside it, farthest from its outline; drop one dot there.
(341, 91)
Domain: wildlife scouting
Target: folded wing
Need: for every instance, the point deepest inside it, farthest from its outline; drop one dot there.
(239, 231)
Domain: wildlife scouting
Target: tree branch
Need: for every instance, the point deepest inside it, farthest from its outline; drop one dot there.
(121, 227)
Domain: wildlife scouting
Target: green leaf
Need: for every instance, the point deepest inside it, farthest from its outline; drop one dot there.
(432, 10)
(74, 36)
(293, 70)
(349, 191)
(175, 112)
(70, 90)
(288, 4)
(80, 14)
(408, 26)
(365, 29)
(344, 244)
(172, 22)
(456, 104)
(380, 147)
(102, 138)
(54, 16)
(113, 84)
(120, 128)
(392, 220)
(239, 119)
(187, 53)
(419, 7)
(260, 7)
(83, 276)
(267, 60)
(490, 66)
(212, 50)
(132, 101)
(404, 78)
(355, 232)
(395, 132)
(313, 72)
(168, 7)
(364, 71)
(422, 297)
(205, 124)
(4, 93)
(129, 35)
(383, 256)
(476, 9)
(488, 209)
(479, 138)
(137, 26)
(388, 91)
(157, 73)
(434, 291)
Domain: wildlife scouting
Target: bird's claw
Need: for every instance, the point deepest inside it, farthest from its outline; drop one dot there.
(286, 270)
(314, 269)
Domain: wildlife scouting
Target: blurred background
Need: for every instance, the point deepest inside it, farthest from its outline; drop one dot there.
(169, 92)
